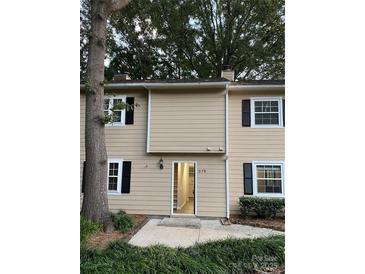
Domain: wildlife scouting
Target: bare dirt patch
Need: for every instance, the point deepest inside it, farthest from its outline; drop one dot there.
(277, 223)
(101, 240)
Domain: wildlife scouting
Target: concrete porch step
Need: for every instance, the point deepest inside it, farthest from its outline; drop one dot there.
(191, 222)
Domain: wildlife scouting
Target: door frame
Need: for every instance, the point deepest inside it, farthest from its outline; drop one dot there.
(195, 187)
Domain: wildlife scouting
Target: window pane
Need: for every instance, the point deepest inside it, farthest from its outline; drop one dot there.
(258, 119)
(277, 187)
(117, 116)
(261, 186)
(258, 106)
(274, 103)
(113, 183)
(106, 104)
(269, 173)
(274, 119)
(113, 169)
(260, 172)
(277, 171)
(266, 118)
(117, 101)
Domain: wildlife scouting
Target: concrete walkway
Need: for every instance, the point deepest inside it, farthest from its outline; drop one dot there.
(155, 232)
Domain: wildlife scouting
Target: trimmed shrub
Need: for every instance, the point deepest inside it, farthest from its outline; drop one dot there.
(122, 221)
(263, 207)
(87, 228)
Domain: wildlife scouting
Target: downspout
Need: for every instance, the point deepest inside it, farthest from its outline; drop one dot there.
(148, 119)
(227, 154)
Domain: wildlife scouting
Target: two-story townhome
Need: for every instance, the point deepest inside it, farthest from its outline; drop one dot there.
(192, 146)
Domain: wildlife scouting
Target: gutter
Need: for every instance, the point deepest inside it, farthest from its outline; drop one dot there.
(256, 87)
(163, 85)
(149, 119)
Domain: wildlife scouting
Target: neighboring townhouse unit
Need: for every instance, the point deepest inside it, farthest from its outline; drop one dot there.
(192, 146)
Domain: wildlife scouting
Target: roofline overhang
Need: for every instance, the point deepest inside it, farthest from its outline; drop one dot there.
(257, 88)
(113, 86)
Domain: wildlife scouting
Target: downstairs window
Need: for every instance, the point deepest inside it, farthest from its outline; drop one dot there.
(268, 179)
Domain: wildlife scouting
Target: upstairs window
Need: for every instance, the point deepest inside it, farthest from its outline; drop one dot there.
(119, 114)
(266, 112)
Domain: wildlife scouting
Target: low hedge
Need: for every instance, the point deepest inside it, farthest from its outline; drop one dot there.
(263, 207)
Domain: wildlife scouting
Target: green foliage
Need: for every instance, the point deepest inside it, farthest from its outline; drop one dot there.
(224, 256)
(87, 228)
(189, 39)
(112, 117)
(263, 207)
(122, 221)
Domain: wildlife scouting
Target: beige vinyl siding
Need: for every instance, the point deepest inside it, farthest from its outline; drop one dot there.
(249, 144)
(150, 187)
(187, 121)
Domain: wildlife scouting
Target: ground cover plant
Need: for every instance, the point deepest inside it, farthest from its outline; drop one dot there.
(224, 256)
(87, 228)
(92, 235)
(122, 221)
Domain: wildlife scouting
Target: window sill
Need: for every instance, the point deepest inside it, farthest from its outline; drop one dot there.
(267, 126)
(114, 194)
(115, 125)
(268, 195)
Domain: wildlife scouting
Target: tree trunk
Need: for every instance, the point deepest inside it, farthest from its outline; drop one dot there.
(95, 202)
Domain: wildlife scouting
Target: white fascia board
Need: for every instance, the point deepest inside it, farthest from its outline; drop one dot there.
(163, 85)
(256, 87)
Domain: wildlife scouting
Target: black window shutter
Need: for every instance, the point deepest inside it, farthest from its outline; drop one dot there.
(129, 114)
(83, 177)
(247, 179)
(246, 113)
(284, 112)
(126, 177)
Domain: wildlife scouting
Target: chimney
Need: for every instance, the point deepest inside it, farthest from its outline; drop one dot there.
(227, 73)
(121, 77)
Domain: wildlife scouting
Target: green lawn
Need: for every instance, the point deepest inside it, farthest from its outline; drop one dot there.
(226, 256)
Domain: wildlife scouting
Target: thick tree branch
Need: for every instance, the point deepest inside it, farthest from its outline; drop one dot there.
(116, 5)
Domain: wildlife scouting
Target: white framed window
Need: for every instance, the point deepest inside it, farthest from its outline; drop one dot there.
(268, 178)
(266, 112)
(109, 103)
(115, 167)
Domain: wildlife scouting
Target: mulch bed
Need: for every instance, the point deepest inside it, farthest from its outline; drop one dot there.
(101, 240)
(277, 223)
